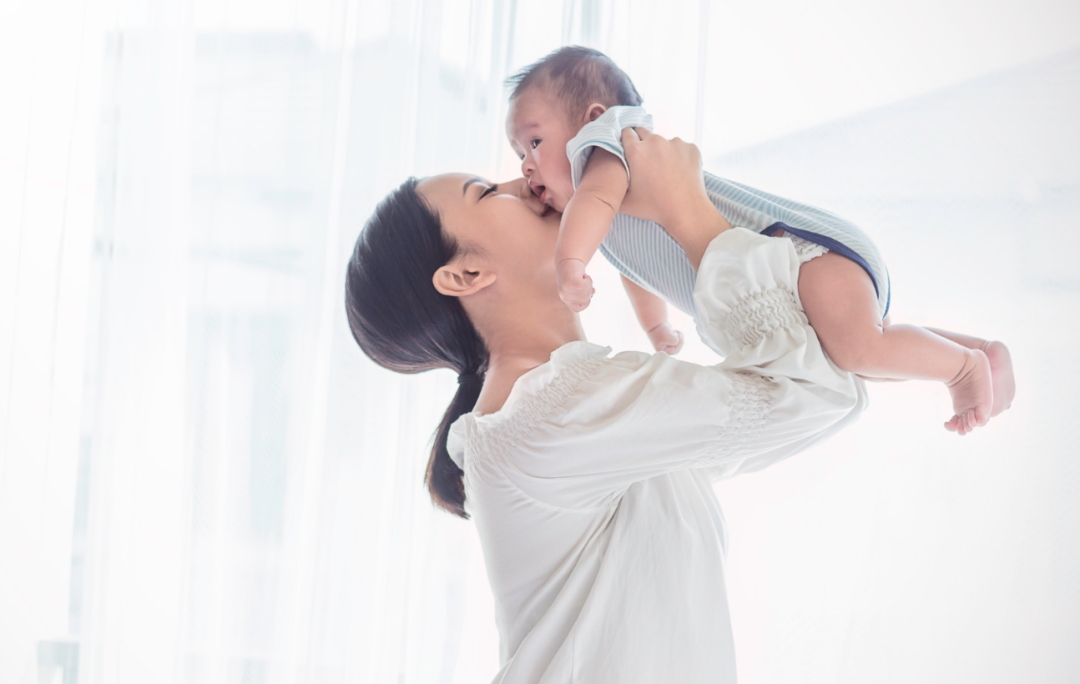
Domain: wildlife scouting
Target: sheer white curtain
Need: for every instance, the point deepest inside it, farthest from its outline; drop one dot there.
(203, 480)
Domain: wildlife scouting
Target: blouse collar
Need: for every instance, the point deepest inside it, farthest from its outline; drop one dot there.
(464, 428)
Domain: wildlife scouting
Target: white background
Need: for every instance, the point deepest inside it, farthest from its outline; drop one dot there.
(203, 480)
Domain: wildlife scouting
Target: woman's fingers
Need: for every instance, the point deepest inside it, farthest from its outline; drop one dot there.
(633, 135)
(665, 176)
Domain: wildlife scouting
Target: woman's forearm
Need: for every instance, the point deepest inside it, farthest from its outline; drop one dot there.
(694, 227)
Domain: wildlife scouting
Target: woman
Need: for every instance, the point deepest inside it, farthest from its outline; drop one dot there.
(588, 475)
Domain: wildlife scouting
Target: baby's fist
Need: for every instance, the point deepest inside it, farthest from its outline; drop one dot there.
(664, 338)
(575, 286)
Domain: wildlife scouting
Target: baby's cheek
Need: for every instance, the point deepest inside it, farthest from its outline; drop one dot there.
(562, 190)
(560, 195)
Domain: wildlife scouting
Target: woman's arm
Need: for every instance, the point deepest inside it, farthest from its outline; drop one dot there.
(636, 416)
(668, 189)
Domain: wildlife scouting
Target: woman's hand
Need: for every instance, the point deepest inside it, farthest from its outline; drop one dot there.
(665, 176)
(666, 187)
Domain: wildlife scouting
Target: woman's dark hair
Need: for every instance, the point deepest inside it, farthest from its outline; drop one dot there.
(405, 325)
(579, 76)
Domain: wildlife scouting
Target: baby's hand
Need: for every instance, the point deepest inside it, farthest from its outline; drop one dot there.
(664, 338)
(575, 286)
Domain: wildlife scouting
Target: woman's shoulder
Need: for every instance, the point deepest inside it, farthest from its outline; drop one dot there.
(537, 396)
(547, 384)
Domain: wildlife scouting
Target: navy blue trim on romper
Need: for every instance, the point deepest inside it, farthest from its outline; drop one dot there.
(833, 246)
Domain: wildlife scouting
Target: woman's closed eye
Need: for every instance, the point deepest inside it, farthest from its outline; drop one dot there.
(478, 181)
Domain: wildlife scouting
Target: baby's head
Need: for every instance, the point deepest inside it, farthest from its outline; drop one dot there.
(550, 102)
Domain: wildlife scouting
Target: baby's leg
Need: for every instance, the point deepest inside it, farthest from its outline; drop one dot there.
(842, 306)
(1000, 366)
(652, 315)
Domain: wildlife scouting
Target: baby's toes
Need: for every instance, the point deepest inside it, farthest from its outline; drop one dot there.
(963, 422)
(973, 420)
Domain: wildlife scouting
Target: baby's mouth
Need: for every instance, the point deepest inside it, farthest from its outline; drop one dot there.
(541, 192)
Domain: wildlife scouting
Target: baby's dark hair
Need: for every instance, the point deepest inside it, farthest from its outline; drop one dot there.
(579, 76)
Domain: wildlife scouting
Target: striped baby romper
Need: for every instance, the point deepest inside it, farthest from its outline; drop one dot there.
(645, 253)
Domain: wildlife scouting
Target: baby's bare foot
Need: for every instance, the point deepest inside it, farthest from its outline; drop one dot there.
(1002, 374)
(972, 393)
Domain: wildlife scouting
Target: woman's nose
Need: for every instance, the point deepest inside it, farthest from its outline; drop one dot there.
(522, 185)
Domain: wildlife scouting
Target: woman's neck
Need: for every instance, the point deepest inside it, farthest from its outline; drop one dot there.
(520, 339)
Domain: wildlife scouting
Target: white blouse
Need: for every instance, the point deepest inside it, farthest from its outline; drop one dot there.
(591, 487)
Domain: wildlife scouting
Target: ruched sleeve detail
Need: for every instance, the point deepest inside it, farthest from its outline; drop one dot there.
(760, 314)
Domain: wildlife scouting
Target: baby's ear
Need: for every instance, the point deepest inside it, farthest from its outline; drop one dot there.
(594, 111)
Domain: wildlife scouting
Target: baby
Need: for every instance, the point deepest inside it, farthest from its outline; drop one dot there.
(566, 116)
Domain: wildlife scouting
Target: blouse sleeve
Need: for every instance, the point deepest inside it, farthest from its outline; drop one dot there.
(639, 415)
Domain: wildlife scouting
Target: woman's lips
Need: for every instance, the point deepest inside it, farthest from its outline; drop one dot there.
(547, 210)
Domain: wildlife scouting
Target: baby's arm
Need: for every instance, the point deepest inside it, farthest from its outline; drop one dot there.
(652, 314)
(585, 222)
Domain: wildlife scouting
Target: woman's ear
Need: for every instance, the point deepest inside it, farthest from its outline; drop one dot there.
(594, 111)
(457, 279)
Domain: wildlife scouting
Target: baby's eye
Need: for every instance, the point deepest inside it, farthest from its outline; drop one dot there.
(534, 142)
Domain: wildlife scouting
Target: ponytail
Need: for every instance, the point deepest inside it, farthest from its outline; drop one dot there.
(405, 325)
(443, 477)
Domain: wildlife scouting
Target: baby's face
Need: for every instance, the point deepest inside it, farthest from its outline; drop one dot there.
(539, 130)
